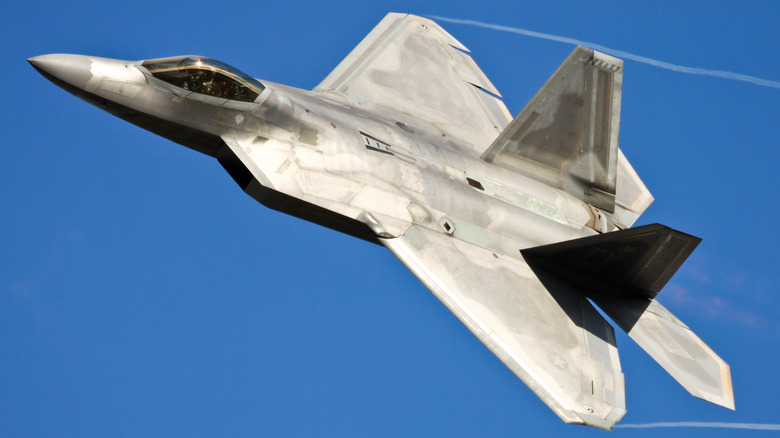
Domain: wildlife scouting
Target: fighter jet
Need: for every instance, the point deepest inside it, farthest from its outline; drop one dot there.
(520, 226)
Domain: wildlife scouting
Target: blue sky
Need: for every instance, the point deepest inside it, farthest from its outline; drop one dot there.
(143, 294)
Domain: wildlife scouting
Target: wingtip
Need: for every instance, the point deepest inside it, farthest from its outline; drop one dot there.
(726, 397)
(728, 389)
(722, 395)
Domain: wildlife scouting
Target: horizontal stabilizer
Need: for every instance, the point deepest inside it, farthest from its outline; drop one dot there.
(634, 262)
(567, 135)
(674, 346)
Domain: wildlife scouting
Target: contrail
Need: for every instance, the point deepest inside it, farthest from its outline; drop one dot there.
(618, 53)
(750, 426)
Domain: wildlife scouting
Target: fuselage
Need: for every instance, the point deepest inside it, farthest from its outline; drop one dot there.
(325, 159)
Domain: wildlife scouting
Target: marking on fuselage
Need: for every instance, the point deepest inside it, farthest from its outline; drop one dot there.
(374, 144)
(308, 135)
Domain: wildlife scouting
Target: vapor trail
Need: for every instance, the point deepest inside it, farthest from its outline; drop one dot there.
(750, 426)
(618, 53)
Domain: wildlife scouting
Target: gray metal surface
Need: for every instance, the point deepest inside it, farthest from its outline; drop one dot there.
(548, 335)
(408, 145)
(567, 135)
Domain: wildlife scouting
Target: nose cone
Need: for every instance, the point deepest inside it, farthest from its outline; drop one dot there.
(73, 70)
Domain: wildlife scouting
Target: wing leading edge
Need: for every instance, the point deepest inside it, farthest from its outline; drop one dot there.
(548, 334)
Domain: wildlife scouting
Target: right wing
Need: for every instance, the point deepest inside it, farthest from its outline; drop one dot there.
(409, 66)
(548, 334)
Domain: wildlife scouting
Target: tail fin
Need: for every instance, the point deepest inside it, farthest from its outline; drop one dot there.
(633, 262)
(622, 272)
(567, 135)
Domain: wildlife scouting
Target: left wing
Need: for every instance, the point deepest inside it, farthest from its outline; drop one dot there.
(546, 333)
(410, 65)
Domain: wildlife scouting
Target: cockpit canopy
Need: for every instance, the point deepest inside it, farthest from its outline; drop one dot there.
(205, 76)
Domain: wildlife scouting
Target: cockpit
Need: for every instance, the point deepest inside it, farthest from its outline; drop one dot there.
(205, 76)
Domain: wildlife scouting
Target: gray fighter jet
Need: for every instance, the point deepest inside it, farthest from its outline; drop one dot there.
(518, 225)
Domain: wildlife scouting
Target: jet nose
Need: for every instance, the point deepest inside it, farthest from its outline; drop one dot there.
(74, 70)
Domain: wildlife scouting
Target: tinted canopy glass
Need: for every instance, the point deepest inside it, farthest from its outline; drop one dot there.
(205, 76)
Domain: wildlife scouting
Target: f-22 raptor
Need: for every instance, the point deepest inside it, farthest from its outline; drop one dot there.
(518, 225)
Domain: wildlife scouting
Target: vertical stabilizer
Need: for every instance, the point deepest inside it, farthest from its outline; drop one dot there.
(567, 135)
